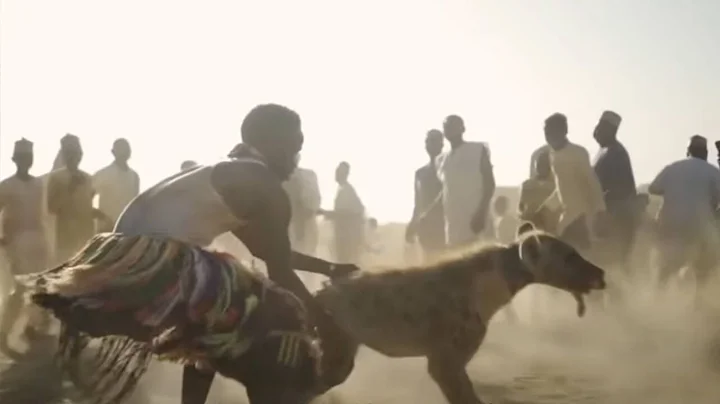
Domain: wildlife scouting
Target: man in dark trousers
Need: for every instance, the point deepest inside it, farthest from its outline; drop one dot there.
(427, 224)
(615, 173)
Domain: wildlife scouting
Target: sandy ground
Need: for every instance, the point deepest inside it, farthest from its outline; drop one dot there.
(650, 349)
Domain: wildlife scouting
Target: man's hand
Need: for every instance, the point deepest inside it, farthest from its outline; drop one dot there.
(342, 270)
(477, 223)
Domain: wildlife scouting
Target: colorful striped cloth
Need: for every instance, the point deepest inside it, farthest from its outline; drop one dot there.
(165, 286)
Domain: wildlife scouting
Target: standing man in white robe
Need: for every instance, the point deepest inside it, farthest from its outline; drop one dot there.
(117, 184)
(578, 193)
(24, 238)
(468, 184)
(348, 218)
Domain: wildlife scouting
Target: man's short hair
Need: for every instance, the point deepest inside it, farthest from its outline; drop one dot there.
(455, 119)
(266, 121)
(556, 119)
(433, 132)
(120, 141)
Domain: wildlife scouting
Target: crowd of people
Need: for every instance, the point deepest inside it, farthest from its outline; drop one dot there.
(592, 204)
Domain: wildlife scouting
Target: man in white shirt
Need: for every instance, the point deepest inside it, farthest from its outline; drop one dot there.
(348, 218)
(468, 184)
(116, 184)
(686, 225)
(578, 194)
(24, 239)
(304, 193)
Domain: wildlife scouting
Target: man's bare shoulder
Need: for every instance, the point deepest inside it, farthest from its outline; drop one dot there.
(248, 173)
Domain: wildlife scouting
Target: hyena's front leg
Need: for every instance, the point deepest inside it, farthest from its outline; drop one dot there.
(448, 358)
(453, 380)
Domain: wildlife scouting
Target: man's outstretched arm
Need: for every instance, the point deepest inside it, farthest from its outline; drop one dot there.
(316, 265)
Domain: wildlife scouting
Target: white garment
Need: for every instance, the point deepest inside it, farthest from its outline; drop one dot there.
(691, 192)
(185, 207)
(459, 172)
(304, 193)
(23, 206)
(28, 253)
(505, 229)
(115, 188)
(348, 224)
(578, 192)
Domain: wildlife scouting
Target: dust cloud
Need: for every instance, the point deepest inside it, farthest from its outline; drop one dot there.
(649, 348)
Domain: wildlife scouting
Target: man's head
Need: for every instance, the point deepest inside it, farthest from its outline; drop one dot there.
(23, 154)
(555, 263)
(121, 150)
(187, 164)
(342, 172)
(434, 143)
(607, 127)
(501, 205)
(698, 148)
(275, 132)
(453, 128)
(556, 130)
(542, 165)
(71, 151)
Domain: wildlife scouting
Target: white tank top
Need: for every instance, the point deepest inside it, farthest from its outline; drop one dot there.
(184, 207)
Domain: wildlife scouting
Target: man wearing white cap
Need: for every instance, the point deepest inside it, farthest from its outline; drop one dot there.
(615, 173)
(24, 238)
(70, 200)
(687, 234)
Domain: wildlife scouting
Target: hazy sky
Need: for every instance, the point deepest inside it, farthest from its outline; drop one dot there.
(368, 77)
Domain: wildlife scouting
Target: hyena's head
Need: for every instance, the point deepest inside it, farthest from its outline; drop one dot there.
(555, 263)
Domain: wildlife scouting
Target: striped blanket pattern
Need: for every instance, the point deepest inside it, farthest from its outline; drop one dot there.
(152, 278)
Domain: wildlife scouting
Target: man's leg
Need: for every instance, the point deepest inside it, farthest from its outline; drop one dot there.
(10, 314)
(196, 385)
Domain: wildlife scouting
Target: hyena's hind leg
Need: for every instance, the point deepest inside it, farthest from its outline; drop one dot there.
(447, 362)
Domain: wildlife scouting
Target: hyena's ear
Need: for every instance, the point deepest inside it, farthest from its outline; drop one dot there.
(525, 227)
